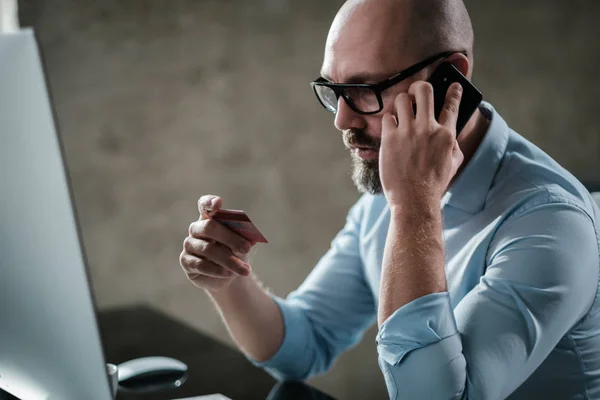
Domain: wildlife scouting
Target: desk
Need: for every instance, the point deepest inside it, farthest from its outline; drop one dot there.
(141, 331)
(213, 367)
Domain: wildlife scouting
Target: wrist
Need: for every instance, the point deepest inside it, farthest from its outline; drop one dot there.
(421, 210)
(415, 197)
(230, 292)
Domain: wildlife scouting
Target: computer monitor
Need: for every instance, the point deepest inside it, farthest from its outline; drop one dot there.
(50, 345)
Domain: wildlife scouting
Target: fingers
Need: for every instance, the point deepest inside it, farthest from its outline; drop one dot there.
(204, 273)
(422, 92)
(213, 255)
(216, 254)
(208, 204)
(211, 230)
(388, 123)
(449, 114)
(404, 109)
(195, 266)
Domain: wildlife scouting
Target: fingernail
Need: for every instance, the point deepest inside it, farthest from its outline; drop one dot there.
(213, 202)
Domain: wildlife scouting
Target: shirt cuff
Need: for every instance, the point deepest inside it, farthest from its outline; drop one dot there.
(422, 322)
(285, 361)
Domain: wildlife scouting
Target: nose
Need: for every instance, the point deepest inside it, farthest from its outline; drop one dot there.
(346, 118)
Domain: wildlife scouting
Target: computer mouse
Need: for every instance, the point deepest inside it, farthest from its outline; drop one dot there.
(151, 373)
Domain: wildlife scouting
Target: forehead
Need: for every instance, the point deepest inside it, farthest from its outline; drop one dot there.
(359, 45)
(359, 63)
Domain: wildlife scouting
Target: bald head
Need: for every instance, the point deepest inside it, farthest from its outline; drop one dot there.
(392, 31)
(437, 25)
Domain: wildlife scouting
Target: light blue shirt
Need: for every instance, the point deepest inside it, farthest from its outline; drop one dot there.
(521, 317)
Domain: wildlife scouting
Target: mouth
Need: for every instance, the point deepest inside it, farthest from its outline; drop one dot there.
(366, 153)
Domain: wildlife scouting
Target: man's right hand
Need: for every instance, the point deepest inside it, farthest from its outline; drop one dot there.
(213, 255)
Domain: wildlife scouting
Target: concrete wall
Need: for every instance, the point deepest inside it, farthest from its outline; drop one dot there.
(162, 101)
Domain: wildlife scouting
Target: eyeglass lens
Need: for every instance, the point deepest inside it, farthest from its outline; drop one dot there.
(362, 99)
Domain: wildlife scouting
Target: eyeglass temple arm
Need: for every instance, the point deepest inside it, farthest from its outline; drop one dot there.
(410, 71)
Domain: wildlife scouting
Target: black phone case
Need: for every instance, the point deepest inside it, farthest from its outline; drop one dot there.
(444, 76)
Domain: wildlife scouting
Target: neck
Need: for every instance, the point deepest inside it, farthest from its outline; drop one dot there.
(470, 138)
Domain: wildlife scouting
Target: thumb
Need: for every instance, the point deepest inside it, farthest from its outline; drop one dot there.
(208, 204)
(457, 158)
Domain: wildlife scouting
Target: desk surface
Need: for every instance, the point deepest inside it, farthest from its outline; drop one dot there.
(213, 367)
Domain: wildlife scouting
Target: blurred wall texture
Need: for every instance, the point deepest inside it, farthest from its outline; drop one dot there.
(162, 101)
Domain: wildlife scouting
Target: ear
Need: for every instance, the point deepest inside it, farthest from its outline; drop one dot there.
(461, 62)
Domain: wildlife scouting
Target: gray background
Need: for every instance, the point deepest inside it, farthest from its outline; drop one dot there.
(162, 101)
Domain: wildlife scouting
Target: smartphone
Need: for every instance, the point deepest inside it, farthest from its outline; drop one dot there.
(441, 79)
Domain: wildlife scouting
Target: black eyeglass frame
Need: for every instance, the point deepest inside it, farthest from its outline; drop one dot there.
(340, 88)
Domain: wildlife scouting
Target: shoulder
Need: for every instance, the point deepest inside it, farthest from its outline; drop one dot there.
(528, 179)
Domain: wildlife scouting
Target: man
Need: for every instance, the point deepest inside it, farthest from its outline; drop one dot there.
(478, 256)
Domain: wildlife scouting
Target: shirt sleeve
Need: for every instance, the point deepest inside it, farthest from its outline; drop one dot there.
(541, 278)
(329, 312)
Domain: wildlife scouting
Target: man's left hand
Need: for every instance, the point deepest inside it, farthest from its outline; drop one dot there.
(419, 156)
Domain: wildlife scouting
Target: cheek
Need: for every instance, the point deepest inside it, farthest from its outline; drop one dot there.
(374, 124)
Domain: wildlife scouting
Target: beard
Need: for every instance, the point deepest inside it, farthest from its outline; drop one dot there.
(365, 173)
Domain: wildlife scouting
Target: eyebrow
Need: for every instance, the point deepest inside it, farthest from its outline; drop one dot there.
(362, 77)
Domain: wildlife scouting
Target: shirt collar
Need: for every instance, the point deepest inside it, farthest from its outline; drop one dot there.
(469, 191)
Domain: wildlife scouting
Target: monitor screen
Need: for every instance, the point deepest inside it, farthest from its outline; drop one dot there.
(49, 340)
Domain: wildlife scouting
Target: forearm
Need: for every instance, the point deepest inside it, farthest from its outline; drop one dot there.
(413, 260)
(414, 313)
(252, 318)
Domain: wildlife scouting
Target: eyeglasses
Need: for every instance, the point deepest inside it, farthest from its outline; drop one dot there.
(365, 98)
